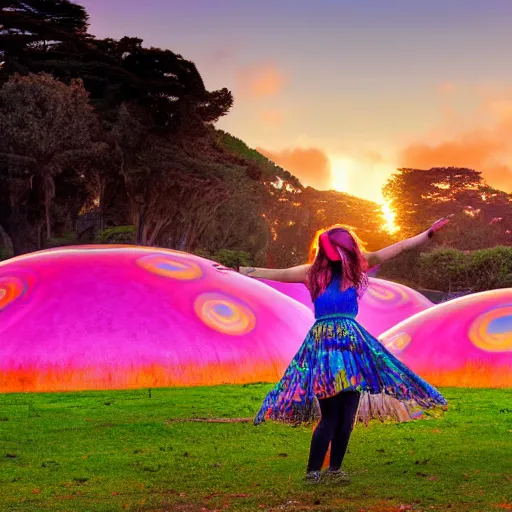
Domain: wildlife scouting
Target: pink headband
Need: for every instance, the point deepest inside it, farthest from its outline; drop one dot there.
(331, 253)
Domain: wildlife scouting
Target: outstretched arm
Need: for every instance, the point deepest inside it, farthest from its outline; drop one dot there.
(390, 252)
(285, 275)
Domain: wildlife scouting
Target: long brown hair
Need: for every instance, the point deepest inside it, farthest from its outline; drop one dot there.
(351, 266)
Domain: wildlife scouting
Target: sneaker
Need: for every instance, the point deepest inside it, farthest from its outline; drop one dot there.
(313, 477)
(337, 475)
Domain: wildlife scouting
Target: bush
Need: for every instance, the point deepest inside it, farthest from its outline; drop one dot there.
(451, 270)
(490, 268)
(233, 259)
(404, 269)
(62, 241)
(228, 258)
(117, 235)
(444, 270)
(4, 254)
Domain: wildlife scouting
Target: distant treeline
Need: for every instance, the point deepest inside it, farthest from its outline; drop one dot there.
(107, 140)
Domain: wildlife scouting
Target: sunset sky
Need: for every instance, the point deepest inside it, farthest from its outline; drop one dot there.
(341, 92)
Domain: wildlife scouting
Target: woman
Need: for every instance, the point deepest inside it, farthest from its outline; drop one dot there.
(339, 360)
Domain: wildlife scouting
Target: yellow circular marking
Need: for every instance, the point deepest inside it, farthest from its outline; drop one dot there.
(182, 268)
(11, 288)
(224, 314)
(388, 294)
(397, 342)
(482, 336)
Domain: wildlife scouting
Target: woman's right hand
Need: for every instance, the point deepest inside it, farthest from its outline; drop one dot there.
(221, 268)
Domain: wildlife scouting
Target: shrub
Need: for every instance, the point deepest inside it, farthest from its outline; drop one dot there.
(62, 241)
(451, 270)
(233, 258)
(443, 269)
(4, 254)
(228, 258)
(116, 235)
(404, 269)
(490, 268)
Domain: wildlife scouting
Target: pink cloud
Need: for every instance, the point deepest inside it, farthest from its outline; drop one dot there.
(272, 117)
(260, 81)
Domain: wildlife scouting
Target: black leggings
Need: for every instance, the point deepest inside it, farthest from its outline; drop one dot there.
(338, 415)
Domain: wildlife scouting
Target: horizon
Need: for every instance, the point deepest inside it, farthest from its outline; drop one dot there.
(396, 86)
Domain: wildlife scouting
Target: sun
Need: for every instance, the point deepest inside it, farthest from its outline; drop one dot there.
(341, 167)
(340, 171)
(389, 217)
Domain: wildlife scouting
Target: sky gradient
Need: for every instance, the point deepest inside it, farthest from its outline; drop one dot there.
(344, 93)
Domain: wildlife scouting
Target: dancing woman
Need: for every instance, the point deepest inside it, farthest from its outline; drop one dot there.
(340, 366)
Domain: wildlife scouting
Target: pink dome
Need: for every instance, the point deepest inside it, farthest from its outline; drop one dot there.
(466, 342)
(384, 304)
(296, 291)
(105, 317)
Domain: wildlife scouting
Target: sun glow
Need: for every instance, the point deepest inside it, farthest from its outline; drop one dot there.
(340, 171)
(389, 216)
(342, 167)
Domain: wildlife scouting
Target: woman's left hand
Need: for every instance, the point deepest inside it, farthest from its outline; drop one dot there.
(439, 224)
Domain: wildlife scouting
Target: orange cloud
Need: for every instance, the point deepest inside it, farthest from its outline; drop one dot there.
(474, 150)
(485, 149)
(446, 87)
(310, 165)
(260, 81)
(467, 150)
(272, 117)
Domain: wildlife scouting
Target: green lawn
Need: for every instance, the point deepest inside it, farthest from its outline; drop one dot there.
(124, 450)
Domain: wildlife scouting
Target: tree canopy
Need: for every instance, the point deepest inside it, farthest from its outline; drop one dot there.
(100, 135)
(419, 197)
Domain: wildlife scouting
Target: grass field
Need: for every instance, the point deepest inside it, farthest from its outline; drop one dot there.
(127, 450)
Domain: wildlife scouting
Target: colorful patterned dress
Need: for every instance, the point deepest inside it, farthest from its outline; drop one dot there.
(339, 355)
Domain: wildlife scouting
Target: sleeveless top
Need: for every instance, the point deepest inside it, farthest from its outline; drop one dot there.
(334, 302)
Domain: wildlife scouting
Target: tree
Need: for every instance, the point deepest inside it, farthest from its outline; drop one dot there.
(239, 224)
(45, 124)
(293, 214)
(187, 193)
(271, 173)
(419, 197)
(33, 29)
(51, 36)
(147, 95)
(313, 210)
(162, 82)
(274, 204)
(471, 230)
(161, 91)
(114, 72)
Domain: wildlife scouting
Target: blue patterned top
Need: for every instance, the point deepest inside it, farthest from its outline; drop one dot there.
(335, 302)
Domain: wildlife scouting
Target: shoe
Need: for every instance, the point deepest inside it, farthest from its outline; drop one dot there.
(337, 475)
(313, 477)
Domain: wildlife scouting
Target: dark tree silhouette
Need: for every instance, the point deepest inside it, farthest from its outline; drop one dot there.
(33, 30)
(419, 197)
